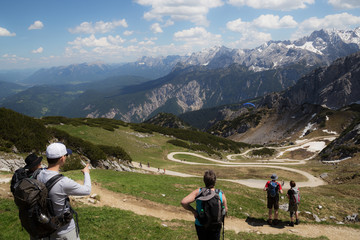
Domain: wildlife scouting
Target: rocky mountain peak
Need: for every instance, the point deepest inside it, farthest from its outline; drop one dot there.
(334, 86)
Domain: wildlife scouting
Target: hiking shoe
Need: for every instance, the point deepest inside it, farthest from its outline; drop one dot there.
(291, 224)
(297, 222)
(269, 221)
(275, 222)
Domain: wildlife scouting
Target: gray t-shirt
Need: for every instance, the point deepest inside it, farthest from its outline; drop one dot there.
(61, 190)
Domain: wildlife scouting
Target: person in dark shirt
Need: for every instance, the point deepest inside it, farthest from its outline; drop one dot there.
(293, 205)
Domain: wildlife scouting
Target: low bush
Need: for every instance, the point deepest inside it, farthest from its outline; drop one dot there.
(263, 152)
(72, 163)
(117, 152)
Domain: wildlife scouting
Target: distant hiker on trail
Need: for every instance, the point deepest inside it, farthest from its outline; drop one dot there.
(33, 163)
(140, 165)
(273, 189)
(57, 154)
(293, 195)
(211, 208)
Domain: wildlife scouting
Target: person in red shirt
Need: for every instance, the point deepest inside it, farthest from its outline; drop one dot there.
(273, 189)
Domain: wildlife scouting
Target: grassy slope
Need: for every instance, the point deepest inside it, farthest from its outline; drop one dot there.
(337, 200)
(108, 223)
(154, 148)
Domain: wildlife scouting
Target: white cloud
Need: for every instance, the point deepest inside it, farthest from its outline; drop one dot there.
(98, 27)
(92, 41)
(155, 28)
(274, 22)
(337, 21)
(251, 36)
(36, 25)
(5, 33)
(282, 5)
(198, 36)
(264, 21)
(180, 10)
(12, 58)
(345, 4)
(128, 33)
(169, 23)
(39, 50)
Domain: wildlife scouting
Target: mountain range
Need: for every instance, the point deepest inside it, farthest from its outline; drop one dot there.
(205, 79)
(307, 106)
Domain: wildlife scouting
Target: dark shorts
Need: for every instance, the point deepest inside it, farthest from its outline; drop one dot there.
(293, 207)
(273, 202)
(204, 234)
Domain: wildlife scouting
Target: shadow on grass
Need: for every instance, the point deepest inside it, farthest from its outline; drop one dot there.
(259, 222)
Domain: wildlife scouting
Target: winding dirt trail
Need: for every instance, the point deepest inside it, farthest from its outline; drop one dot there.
(167, 213)
(313, 145)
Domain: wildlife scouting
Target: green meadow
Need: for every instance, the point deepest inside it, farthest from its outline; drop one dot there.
(243, 202)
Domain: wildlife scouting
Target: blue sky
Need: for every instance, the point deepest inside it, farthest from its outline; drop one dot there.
(45, 33)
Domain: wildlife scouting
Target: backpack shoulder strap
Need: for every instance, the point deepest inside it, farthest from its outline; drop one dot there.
(52, 181)
(36, 173)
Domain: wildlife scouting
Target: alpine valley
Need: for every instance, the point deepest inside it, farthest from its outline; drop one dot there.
(134, 92)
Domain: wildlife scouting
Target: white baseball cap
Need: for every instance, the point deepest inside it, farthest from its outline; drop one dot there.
(57, 150)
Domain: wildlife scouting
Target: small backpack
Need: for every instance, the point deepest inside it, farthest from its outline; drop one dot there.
(273, 189)
(212, 210)
(20, 174)
(295, 198)
(36, 211)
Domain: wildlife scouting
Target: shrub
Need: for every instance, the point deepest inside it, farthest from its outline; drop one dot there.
(117, 152)
(179, 143)
(72, 163)
(263, 152)
(26, 133)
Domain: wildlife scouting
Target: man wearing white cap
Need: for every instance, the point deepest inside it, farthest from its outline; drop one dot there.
(56, 154)
(273, 189)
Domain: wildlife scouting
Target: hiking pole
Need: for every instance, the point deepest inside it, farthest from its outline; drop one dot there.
(224, 228)
(223, 218)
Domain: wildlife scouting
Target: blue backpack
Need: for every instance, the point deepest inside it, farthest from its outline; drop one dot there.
(273, 189)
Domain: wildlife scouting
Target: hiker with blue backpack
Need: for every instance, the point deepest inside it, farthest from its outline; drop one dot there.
(211, 208)
(273, 189)
(293, 195)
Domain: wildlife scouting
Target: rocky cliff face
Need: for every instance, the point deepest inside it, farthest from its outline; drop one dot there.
(347, 145)
(190, 89)
(334, 86)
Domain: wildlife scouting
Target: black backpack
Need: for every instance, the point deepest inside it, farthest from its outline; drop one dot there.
(212, 210)
(20, 174)
(36, 211)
